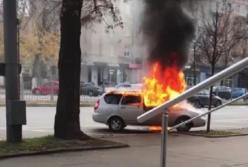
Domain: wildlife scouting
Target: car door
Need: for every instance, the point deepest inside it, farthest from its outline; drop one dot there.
(204, 98)
(45, 89)
(131, 108)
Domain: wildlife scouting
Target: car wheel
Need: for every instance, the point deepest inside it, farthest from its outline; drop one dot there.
(197, 104)
(217, 103)
(37, 92)
(183, 128)
(90, 93)
(116, 124)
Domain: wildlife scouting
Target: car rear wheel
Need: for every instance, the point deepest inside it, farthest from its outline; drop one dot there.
(183, 128)
(197, 104)
(91, 93)
(217, 103)
(116, 124)
(37, 92)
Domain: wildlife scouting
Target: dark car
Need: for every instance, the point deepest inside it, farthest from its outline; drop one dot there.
(237, 92)
(51, 87)
(201, 99)
(223, 92)
(123, 85)
(90, 89)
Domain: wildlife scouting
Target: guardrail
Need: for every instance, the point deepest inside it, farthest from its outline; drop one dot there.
(163, 108)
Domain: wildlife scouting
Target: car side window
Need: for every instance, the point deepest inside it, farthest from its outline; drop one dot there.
(131, 100)
(112, 98)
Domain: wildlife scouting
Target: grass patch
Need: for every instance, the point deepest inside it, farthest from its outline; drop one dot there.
(240, 102)
(49, 144)
(214, 133)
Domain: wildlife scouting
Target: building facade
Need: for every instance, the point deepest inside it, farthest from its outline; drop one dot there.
(200, 72)
(108, 54)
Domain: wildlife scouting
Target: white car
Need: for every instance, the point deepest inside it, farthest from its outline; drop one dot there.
(117, 109)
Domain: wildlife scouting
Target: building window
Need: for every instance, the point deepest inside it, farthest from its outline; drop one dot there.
(227, 82)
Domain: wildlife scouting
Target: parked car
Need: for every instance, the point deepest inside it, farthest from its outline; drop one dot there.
(90, 89)
(237, 92)
(118, 109)
(201, 99)
(223, 92)
(51, 87)
(123, 85)
(127, 85)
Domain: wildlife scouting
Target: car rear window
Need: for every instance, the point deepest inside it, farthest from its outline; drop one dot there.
(127, 100)
(112, 98)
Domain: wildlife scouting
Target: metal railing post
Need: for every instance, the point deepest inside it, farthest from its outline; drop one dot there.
(164, 138)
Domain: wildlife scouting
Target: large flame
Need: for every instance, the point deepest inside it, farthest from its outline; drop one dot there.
(162, 84)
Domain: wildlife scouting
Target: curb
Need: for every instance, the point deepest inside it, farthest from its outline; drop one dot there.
(214, 136)
(113, 145)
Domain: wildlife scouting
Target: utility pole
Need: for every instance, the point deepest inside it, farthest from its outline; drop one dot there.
(194, 62)
(15, 109)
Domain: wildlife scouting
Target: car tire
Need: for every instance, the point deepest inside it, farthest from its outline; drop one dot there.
(116, 124)
(217, 103)
(197, 104)
(183, 128)
(90, 93)
(37, 92)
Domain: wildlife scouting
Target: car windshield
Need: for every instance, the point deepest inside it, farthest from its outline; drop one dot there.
(203, 92)
(238, 89)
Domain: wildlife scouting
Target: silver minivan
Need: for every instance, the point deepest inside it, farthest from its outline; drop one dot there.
(117, 109)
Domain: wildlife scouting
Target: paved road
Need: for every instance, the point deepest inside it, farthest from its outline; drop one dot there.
(144, 147)
(144, 151)
(40, 121)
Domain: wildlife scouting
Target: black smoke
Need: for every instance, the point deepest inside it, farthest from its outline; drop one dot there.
(168, 32)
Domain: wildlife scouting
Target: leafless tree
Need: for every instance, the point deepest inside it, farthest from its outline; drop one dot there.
(220, 33)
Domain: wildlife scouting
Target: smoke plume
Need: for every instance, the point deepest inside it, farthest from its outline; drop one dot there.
(168, 32)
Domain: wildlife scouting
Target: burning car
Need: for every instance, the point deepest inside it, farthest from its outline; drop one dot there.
(118, 109)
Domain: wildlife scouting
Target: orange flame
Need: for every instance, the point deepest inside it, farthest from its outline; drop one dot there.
(163, 84)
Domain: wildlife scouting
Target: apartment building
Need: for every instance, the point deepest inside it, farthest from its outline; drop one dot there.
(108, 55)
(204, 8)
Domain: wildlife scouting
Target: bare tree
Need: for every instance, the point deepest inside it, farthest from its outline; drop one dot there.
(220, 33)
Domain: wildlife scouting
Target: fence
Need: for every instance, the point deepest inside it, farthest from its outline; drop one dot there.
(49, 99)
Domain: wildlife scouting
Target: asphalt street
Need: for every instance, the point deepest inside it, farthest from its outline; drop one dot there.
(144, 151)
(40, 121)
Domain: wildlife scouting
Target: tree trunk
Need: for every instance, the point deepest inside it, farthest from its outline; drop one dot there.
(210, 99)
(67, 123)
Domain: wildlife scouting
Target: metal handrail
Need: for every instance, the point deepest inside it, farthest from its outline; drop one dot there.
(163, 108)
(208, 112)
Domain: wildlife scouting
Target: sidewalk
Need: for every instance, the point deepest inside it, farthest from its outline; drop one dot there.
(144, 151)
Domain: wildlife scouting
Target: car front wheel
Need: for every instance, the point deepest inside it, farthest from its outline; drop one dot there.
(90, 93)
(197, 104)
(217, 103)
(36, 92)
(116, 124)
(183, 128)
